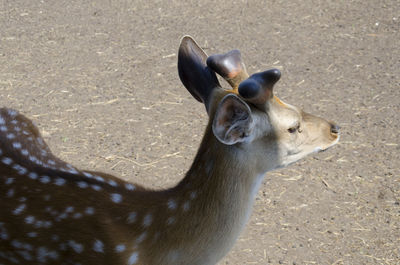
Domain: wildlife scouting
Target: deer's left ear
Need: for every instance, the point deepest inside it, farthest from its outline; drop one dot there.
(232, 121)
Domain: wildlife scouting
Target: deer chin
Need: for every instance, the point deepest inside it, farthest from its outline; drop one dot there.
(320, 149)
(291, 159)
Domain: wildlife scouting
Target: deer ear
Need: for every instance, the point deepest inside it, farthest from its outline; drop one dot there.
(232, 121)
(196, 76)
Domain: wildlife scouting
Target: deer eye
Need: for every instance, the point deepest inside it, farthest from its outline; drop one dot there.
(294, 129)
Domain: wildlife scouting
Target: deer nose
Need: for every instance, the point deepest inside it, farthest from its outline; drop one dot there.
(335, 128)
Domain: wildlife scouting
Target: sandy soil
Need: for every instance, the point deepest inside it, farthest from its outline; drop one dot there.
(100, 80)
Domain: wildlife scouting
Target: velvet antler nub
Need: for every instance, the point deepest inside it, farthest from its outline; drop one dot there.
(230, 66)
(257, 89)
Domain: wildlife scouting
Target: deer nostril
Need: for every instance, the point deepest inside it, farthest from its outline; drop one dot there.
(335, 128)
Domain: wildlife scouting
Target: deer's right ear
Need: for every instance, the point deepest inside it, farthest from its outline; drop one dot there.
(232, 121)
(194, 73)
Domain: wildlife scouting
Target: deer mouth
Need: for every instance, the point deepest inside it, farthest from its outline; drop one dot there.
(323, 149)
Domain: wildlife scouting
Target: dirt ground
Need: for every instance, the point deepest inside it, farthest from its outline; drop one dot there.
(100, 80)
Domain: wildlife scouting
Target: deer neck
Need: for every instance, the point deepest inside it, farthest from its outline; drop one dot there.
(221, 175)
(220, 186)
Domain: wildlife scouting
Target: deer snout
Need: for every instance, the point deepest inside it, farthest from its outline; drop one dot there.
(335, 129)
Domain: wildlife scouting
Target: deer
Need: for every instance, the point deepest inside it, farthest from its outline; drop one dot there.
(51, 212)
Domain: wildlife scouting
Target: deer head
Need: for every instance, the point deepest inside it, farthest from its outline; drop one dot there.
(249, 116)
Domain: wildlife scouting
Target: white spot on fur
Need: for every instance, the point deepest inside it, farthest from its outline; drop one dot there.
(82, 184)
(34, 159)
(209, 167)
(98, 246)
(17, 145)
(10, 193)
(21, 245)
(24, 152)
(12, 113)
(40, 141)
(54, 213)
(38, 224)
(10, 136)
(98, 178)
(133, 259)
(112, 183)
(47, 224)
(21, 170)
(3, 232)
(32, 234)
(9, 181)
(19, 209)
(131, 218)
(87, 174)
(186, 206)
(59, 181)
(63, 246)
(44, 179)
(16, 244)
(171, 220)
(89, 210)
(130, 186)
(73, 171)
(171, 204)
(141, 238)
(33, 175)
(43, 152)
(25, 254)
(62, 216)
(193, 195)
(69, 209)
(77, 215)
(77, 247)
(43, 254)
(116, 197)
(173, 256)
(3, 128)
(30, 219)
(120, 248)
(6, 160)
(147, 220)
(96, 187)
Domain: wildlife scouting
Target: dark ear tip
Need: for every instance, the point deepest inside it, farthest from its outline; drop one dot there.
(186, 39)
(198, 79)
(187, 43)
